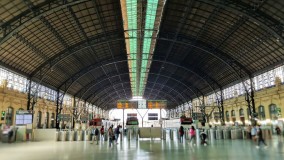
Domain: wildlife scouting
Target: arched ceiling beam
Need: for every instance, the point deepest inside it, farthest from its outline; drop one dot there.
(95, 82)
(68, 83)
(27, 17)
(224, 58)
(106, 88)
(206, 78)
(107, 96)
(264, 20)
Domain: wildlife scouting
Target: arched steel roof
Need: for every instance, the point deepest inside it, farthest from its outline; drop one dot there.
(79, 47)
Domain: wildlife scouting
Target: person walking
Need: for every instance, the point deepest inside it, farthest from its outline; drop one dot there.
(260, 137)
(253, 133)
(116, 133)
(181, 133)
(249, 132)
(192, 134)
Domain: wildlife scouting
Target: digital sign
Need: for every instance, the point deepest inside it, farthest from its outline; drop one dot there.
(23, 118)
(156, 104)
(126, 104)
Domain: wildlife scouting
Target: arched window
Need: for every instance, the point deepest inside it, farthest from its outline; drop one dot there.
(242, 116)
(9, 116)
(39, 119)
(241, 112)
(272, 111)
(261, 113)
(233, 113)
(20, 109)
(227, 116)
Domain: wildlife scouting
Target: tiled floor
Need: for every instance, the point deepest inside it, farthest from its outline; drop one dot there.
(143, 149)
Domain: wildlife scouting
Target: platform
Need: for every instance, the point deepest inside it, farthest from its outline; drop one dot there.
(142, 150)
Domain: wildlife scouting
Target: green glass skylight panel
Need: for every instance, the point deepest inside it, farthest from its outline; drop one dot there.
(149, 26)
(131, 9)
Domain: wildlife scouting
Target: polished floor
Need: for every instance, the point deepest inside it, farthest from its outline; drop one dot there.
(142, 150)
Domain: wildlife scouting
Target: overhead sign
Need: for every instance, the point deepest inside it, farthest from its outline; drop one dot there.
(126, 104)
(156, 104)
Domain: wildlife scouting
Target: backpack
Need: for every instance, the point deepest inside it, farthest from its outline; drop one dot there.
(96, 132)
(116, 131)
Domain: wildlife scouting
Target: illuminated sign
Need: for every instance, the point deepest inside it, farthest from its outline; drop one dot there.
(156, 104)
(126, 104)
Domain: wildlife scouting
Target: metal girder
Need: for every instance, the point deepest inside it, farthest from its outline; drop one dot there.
(221, 108)
(104, 32)
(249, 97)
(99, 90)
(186, 13)
(30, 46)
(70, 10)
(59, 107)
(241, 8)
(114, 98)
(179, 82)
(224, 58)
(68, 83)
(54, 32)
(172, 89)
(18, 22)
(203, 76)
(94, 41)
(93, 83)
(178, 93)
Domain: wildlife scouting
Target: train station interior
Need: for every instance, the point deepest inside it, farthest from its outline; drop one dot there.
(141, 79)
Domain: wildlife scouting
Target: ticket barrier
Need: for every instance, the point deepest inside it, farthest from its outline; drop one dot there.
(69, 135)
(226, 134)
(219, 134)
(62, 136)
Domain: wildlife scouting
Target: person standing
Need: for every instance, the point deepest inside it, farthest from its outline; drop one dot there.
(192, 134)
(110, 135)
(92, 134)
(97, 134)
(102, 132)
(181, 133)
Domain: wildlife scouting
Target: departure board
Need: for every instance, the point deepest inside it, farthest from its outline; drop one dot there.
(156, 104)
(126, 104)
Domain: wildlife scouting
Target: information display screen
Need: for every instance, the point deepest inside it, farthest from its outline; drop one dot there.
(127, 104)
(23, 119)
(156, 104)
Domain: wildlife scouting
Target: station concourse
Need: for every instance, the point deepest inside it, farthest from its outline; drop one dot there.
(142, 78)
